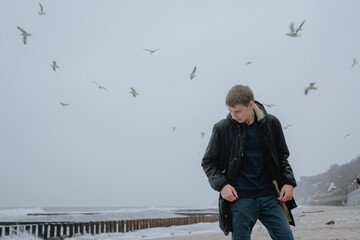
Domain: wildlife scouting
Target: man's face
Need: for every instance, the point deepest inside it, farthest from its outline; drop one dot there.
(241, 113)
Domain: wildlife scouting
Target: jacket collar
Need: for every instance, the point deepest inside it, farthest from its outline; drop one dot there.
(259, 110)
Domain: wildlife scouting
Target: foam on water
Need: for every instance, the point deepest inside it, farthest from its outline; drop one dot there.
(150, 233)
(19, 212)
(85, 214)
(21, 236)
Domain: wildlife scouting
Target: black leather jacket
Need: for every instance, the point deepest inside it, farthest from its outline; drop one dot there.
(223, 156)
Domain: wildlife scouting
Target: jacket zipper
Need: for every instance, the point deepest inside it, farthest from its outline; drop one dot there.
(240, 155)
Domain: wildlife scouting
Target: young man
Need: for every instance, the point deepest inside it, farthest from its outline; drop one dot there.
(246, 161)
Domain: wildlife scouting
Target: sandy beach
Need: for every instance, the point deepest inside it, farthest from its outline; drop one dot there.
(310, 225)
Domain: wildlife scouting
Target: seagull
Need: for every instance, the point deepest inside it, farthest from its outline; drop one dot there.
(100, 87)
(151, 51)
(331, 187)
(269, 105)
(249, 62)
(41, 10)
(331, 222)
(202, 134)
(310, 87)
(54, 66)
(347, 135)
(133, 92)
(24, 34)
(64, 104)
(294, 33)
(285, 127)
(173, 129)
(192, 75)
(354, 63)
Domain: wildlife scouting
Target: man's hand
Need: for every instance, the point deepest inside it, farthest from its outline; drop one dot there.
(286, 193)
(229, 193)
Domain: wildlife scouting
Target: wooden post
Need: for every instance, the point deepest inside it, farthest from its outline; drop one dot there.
(33, 230)
(91, 228)
(71, 230)
(46, 230)
(97, 227)
(40, 230)
(58, 229)
(131, 225)
(121, 226)
(113, 226)
(103, 225)
(7, 231)
(52, 230)
(110, 226)
(87, 228)
(76, 228)
(81, 228)
(107, 227)
(28, 229)
(127, 225)
(1, 230)
(65, 228)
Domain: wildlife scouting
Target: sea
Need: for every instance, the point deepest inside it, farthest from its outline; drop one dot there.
(87, 214)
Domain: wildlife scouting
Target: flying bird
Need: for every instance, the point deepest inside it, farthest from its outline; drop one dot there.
(331, 187)
(100, 87)
(24, 34)
(249, 62)
(41, 10)
(293, 32)
(269, 105)
(173, 129)
(133, 92)
(54, 66)
(151, 51)
(310, 87)
(347, 135)
(64, 104)
(289, 125)
(202, 134)
(354, 63)
(192, 75)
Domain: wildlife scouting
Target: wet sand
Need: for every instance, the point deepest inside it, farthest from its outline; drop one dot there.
(310, 225)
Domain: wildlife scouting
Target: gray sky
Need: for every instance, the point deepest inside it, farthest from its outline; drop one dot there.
(108, 148)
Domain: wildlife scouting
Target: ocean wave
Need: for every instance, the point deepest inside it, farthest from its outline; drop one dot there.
(18, 212)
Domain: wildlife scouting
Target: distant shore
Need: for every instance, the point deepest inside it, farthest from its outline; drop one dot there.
(310, 225)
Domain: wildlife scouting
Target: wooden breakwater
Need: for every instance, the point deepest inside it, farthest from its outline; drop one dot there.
(46, 230)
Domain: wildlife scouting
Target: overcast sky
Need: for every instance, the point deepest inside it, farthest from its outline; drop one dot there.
(107, 148)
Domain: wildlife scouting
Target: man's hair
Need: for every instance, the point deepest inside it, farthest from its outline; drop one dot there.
(239, 94)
